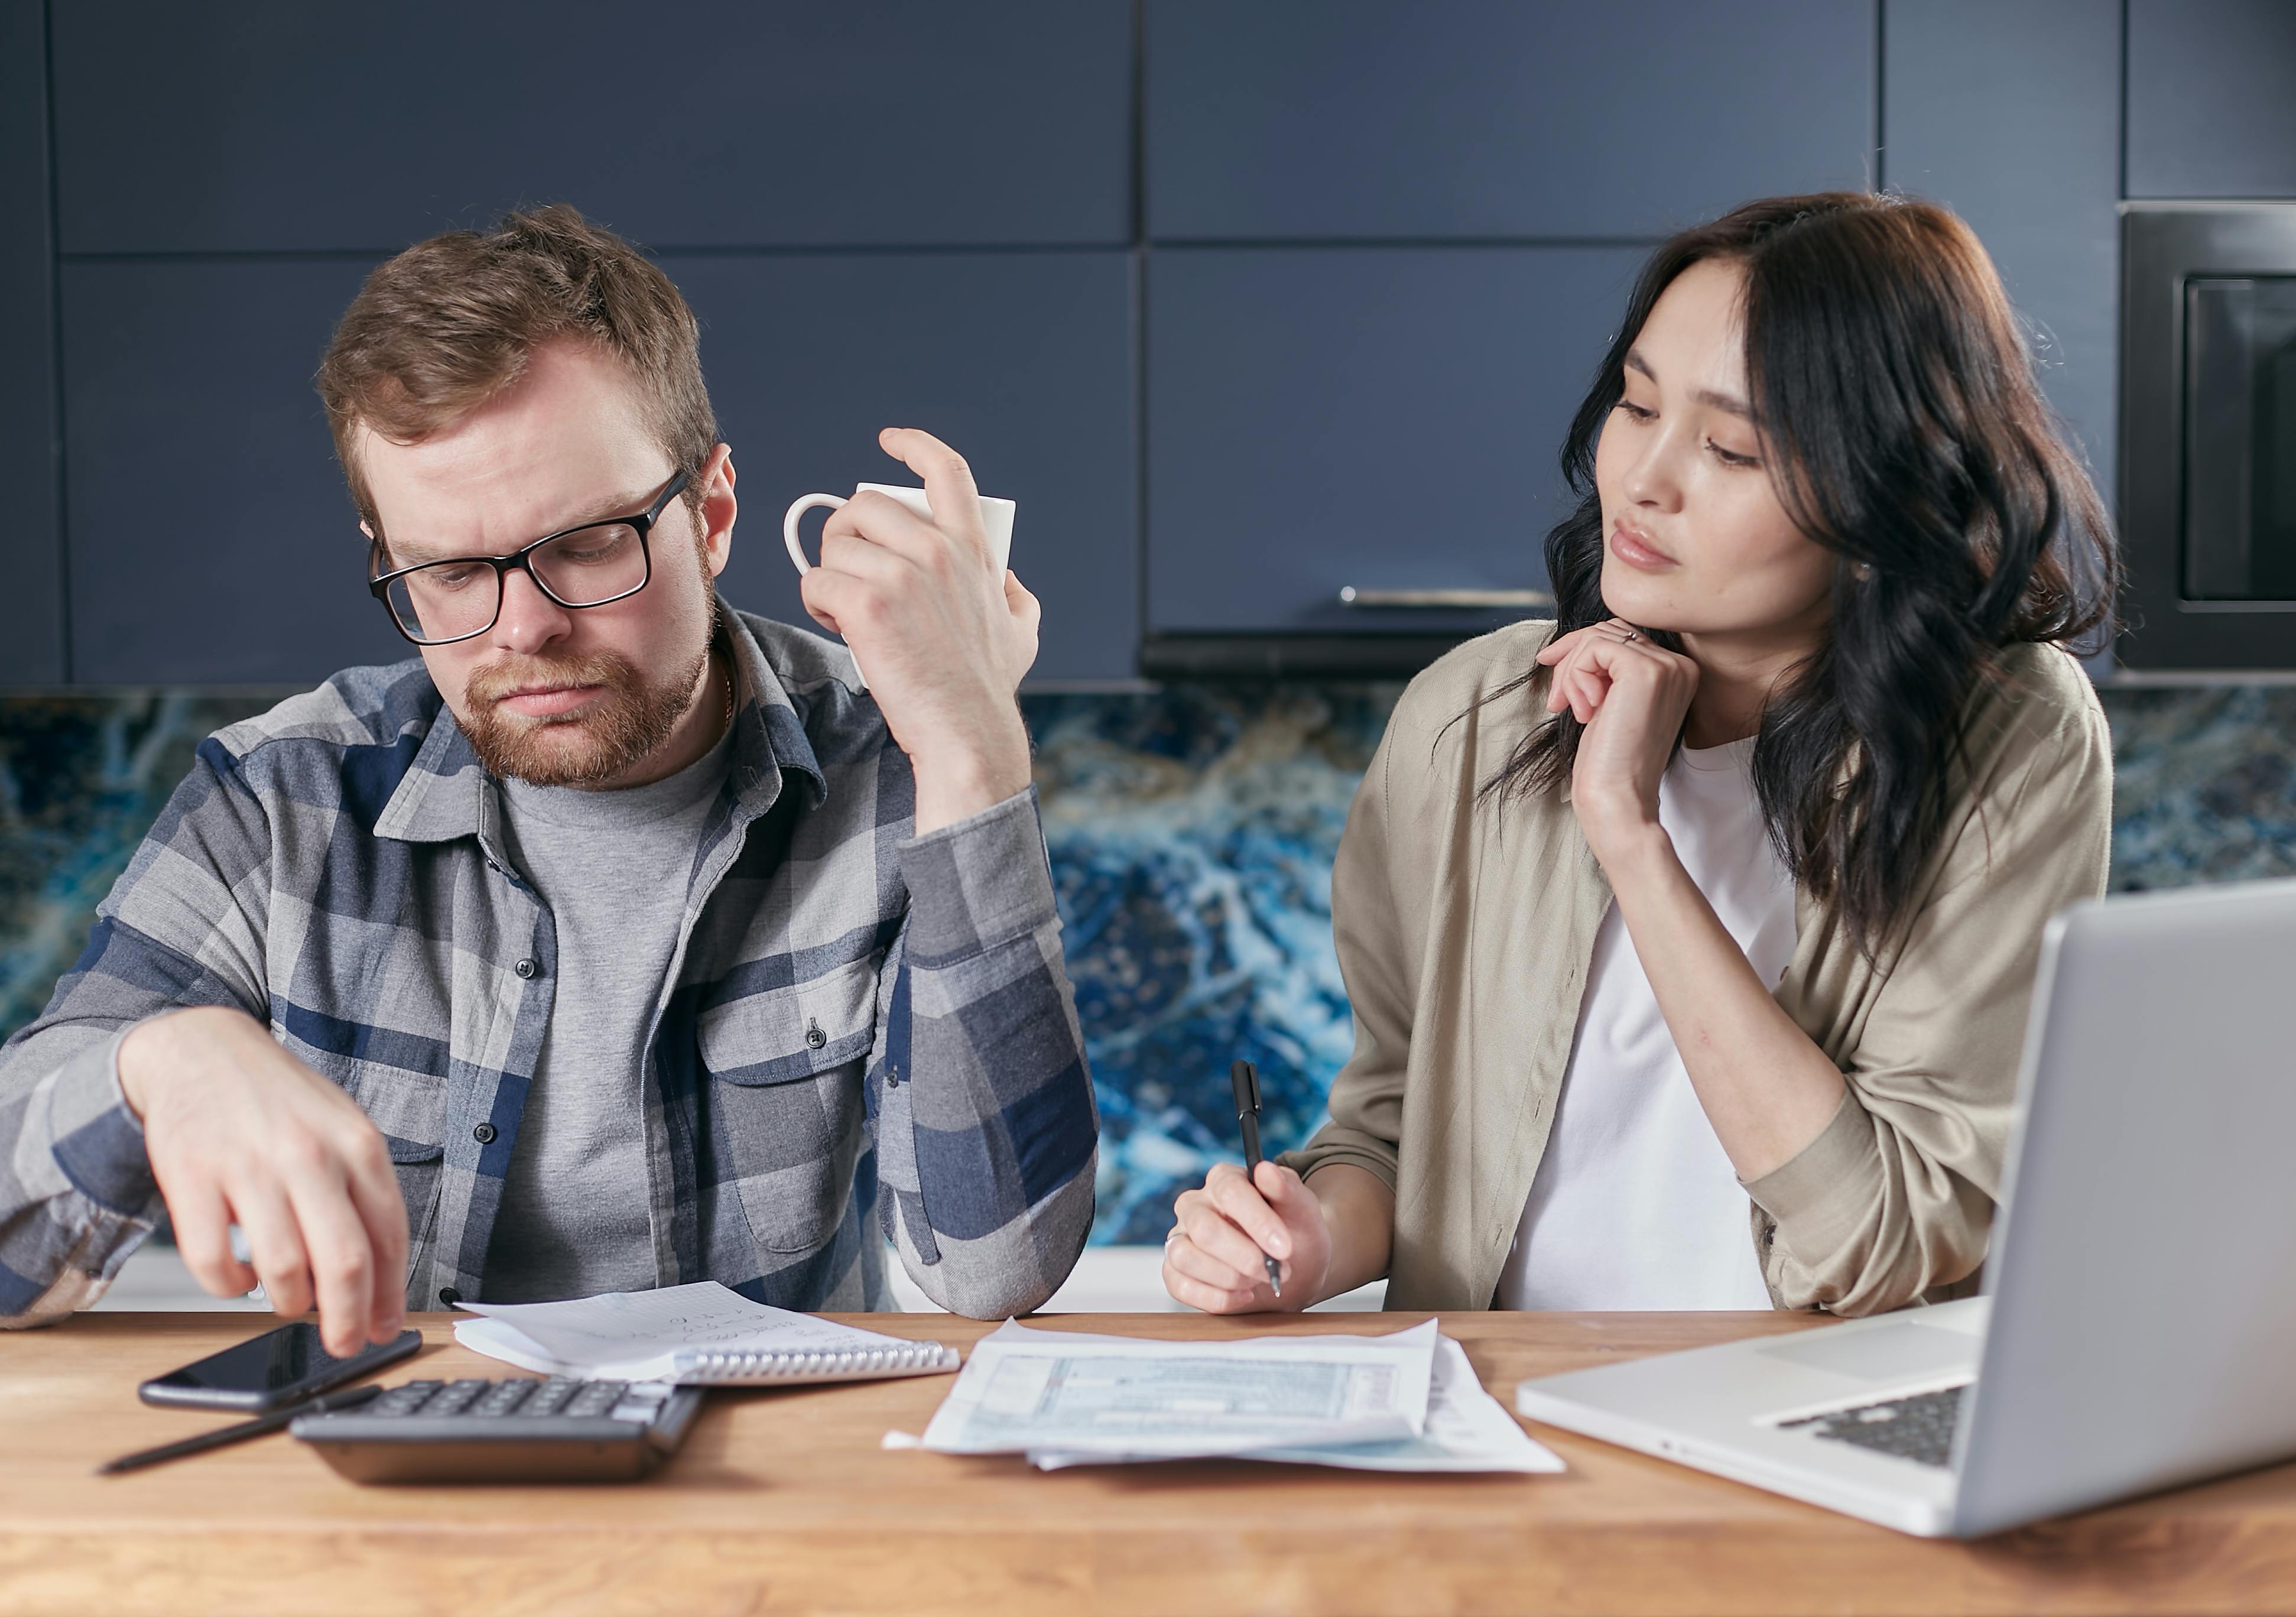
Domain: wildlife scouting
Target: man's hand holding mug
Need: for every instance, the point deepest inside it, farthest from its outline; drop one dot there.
(915, 582)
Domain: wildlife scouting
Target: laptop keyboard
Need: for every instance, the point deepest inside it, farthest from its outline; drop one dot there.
(1916, 1428)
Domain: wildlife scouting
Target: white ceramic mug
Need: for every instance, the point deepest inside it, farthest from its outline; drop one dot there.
(995, 519)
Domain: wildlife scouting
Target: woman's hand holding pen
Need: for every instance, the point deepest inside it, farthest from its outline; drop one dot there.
(1222, 1232)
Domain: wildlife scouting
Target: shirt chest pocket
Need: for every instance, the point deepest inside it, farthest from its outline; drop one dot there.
(787, 1117)
(408, 1106)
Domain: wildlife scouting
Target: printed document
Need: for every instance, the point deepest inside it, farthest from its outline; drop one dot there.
(1050, 1392)
(1467, 1431)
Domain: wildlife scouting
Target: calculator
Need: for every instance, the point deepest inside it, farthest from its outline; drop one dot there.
(522, 1429)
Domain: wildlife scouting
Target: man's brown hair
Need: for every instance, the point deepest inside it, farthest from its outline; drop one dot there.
(447, 324)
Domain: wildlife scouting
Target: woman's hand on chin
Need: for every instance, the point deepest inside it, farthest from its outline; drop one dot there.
(1632, 696)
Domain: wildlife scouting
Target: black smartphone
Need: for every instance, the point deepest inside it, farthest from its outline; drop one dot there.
(281, 1366)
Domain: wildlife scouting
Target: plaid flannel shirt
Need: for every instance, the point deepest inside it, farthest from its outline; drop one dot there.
(855, 1020)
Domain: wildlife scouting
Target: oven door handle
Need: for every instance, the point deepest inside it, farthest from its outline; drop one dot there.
(1446, 600)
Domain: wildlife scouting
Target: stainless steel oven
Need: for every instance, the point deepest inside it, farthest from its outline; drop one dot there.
(2208, 434)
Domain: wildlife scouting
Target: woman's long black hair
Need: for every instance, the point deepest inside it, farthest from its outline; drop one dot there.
(1898, 405)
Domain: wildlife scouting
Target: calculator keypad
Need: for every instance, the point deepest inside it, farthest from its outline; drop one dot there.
(528, 1397)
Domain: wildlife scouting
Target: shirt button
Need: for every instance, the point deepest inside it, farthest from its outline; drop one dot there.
(813, 1037)
(527, 968)
(448, 1296)
(484, 1134)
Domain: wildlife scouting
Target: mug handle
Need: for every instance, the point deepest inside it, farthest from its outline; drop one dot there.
(789, 525)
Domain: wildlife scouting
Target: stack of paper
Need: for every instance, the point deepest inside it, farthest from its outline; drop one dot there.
(1407, 1401)
(704, 1333)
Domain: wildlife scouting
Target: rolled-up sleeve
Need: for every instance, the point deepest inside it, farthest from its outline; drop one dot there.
(1895, 1196)
(987, 1134)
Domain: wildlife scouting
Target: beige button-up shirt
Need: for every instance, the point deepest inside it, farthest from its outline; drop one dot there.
(1465, 929)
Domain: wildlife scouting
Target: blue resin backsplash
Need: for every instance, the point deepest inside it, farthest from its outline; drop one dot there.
(1192, 832)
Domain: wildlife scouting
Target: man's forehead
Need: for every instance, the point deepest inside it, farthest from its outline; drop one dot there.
(498, 489)
(507, 512)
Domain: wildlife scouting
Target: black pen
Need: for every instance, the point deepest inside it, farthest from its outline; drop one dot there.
(1245, 1076)
(349, 1398)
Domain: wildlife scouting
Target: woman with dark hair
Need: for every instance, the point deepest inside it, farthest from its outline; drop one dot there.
(1689, 937)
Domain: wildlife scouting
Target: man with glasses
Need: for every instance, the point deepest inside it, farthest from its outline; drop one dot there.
(621, 940)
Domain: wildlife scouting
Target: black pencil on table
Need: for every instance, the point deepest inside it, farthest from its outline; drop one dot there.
(1245, 1076)
(278, 1419)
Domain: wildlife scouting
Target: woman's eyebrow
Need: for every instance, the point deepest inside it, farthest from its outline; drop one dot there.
(1728, 403)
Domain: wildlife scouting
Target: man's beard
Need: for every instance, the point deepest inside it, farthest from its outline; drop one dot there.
(614, 731)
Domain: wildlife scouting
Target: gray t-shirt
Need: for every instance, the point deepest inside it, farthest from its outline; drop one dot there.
(614, 868)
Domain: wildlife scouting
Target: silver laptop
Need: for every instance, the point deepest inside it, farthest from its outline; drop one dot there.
(2139, 1325)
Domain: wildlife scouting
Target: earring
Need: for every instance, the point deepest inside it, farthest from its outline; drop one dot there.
(1860, 571)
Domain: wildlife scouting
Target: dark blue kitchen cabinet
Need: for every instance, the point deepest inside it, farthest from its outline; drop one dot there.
(1021, 361)
(1313, 284)
(212, 539)
(1364, 119)
(215, 543)
(1378, 418)
(31, 599)
(2211, 98)
(2011, 116)
(278, 125)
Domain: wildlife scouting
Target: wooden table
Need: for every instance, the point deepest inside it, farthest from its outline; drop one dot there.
(783, 1501)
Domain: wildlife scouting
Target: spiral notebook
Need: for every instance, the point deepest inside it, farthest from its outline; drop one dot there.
(702, 1334)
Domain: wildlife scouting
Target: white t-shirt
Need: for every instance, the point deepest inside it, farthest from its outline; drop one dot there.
(1636, 1204)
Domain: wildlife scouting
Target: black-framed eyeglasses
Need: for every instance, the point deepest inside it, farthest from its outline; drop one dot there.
(440, 603)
